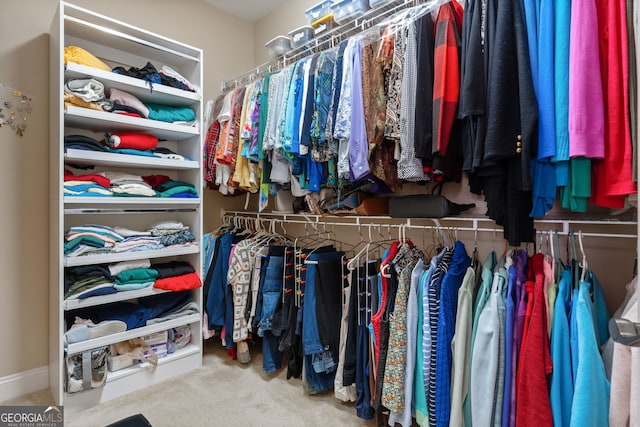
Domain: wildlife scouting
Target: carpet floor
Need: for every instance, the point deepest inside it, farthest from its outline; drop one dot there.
(221, 393)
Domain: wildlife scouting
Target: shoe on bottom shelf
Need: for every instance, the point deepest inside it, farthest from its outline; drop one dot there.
(83, 330)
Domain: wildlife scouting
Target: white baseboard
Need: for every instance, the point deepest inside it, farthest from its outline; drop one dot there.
(16, 385)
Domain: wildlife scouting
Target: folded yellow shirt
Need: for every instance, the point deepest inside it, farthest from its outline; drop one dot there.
(70, 99)
(80, 56)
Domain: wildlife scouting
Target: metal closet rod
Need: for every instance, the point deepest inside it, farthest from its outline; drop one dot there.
(327, 41)
(408, 223)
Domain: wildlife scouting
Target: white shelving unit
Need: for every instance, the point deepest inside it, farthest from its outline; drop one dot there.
(119, 44)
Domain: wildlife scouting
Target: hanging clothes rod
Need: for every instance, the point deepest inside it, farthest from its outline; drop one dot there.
(328, 40)
(566, 226)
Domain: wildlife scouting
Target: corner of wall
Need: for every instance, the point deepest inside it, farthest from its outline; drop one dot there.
(15, 385)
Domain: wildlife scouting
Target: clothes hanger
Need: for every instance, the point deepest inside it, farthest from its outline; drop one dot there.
(585, 265)
(552, 257)
(356, 257)
(377, 247)
(560, 266)
(345, 246)
(384, 270)
(475, 261)
(403, 18)
(309, 240)
(323, 243)
(367, 248)
(577, 272)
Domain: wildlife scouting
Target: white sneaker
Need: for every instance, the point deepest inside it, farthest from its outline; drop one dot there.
(83, 330)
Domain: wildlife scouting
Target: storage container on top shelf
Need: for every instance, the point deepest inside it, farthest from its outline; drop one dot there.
(318, 11)
(376, 3)
(346, 10)
(278, 46)
(324, 24)
(300, 36)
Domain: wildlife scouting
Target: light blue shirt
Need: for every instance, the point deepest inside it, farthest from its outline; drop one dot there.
(561, 394)
(592, 389)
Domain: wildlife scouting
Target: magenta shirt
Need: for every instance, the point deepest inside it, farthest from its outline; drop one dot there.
(586, 102)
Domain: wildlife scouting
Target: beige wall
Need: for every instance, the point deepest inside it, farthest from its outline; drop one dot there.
(24, 165)
(289, 16)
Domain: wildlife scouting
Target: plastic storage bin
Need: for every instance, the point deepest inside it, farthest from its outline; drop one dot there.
(346, 10)
(376, 3)
(300, 36)
(278, 46)
(324, 24)
(158, 343)
(318, 11)
(116, 361)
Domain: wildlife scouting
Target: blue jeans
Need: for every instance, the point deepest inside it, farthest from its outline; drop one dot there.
(313, 349)
(270, 292)
(216, 305)
(271, 355)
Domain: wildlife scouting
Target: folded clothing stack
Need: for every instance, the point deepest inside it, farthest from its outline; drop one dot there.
(124, 102)
(98, 236)
(101, 239)
(164, 186)
(146, 311)
(86, 185)
(126, 184)
(166, 76)
(176, 276)
(172, 233)
(93, 280)
(85, 93)
(87, 280)
(122, 143)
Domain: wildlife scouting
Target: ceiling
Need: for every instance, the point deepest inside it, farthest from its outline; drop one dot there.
(249, 10)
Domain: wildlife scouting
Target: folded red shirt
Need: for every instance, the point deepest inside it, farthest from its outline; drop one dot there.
(98, 179)
(137, 141)
(179, 283)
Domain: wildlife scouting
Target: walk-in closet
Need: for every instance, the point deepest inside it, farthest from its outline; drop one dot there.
(320, 212)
